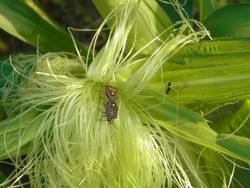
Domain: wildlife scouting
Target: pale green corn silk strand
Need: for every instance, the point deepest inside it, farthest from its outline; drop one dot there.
(74, 146)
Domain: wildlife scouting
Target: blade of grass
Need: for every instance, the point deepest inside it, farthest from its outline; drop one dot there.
(23, 22)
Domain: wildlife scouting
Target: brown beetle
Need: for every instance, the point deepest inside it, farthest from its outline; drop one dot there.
(111, 93)
(111, 111)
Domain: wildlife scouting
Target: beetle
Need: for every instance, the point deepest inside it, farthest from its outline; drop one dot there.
(111, 110)
(111, 93)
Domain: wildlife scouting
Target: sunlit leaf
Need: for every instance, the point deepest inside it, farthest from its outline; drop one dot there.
(208, 74)
(239, 146)
(230, 21)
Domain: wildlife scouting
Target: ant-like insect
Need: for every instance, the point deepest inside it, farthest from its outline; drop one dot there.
(168, 87)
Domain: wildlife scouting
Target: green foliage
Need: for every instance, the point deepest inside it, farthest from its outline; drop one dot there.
(229, 21)
(207, 106)
(32, 26)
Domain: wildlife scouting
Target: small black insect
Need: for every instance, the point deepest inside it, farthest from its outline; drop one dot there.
(111, 111)
(168, 86)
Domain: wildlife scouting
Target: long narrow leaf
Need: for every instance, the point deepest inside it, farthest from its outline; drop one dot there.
(20, 20)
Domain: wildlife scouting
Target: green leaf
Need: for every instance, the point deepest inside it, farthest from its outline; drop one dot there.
(17, 133)
(208, 74)
(231, 118)
(230, 21)
(20, 20)
(167, 110)
(235, 146)
(191, 126)
(239, 146)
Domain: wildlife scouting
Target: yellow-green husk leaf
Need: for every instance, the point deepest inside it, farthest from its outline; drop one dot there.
(151, 20)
